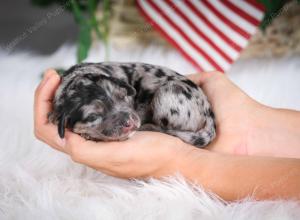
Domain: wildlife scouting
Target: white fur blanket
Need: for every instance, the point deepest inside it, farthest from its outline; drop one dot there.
(37, 182)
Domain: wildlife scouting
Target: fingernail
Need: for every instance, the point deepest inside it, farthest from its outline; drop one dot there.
(47, 76)
(45, 80)
(49, 73)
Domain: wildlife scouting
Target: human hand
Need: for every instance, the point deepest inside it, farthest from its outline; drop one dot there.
(151, 153)
(236, 113)
(156, 154)
(44, 93)
(144, 154)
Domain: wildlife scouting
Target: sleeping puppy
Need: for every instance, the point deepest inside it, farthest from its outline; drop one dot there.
(110, 101)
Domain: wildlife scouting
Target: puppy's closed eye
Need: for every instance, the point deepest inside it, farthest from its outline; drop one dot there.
(92, 77)
(92, 117)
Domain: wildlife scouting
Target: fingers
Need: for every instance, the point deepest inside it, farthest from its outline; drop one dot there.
(47, 75)
(200, 78)
(197, 78)
(89, 152)
(44, 95)
(42, 106)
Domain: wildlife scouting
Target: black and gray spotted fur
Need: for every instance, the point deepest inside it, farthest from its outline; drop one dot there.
(109, 101)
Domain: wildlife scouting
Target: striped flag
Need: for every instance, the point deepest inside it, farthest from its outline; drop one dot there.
(209, 33)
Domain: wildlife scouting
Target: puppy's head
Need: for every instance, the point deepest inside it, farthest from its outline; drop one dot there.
(98, 107)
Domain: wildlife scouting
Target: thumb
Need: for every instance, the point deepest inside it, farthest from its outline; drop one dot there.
(200, 78)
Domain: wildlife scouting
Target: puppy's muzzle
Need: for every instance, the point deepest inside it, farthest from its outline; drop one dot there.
(128, 122)
(121, 124)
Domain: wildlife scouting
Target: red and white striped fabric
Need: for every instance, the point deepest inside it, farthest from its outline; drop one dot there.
(209, 33)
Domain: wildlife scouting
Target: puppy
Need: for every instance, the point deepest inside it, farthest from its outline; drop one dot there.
(110, 101)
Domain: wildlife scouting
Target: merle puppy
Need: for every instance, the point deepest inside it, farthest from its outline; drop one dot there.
(109, 101)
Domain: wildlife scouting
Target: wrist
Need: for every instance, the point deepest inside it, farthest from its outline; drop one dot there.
(193, 163)
(275, 133)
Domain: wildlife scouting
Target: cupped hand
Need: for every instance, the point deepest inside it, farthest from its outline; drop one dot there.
(144, 154)
(150, 153)
(44, 94)
(236, 113)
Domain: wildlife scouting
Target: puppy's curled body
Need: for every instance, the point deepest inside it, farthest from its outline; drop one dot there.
(109, 101)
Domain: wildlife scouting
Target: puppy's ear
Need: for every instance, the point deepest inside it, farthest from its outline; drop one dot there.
(60, 120)
(61, 126)
(129, 89)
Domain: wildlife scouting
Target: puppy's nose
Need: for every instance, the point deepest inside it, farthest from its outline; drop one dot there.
(128, 126)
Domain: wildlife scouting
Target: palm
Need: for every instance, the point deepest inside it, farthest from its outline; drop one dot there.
(149, 153)
(144, 150)
(233, 110)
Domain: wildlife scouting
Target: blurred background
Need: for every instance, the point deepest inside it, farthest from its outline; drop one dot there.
(251, 41)
(16, 16)
(42, 26)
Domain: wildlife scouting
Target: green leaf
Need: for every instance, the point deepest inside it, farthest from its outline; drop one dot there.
(84, 42)
(79, 18)
(273, 9)
(92, 5)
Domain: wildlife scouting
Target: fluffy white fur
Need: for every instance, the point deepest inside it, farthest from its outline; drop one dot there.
(37, 182)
